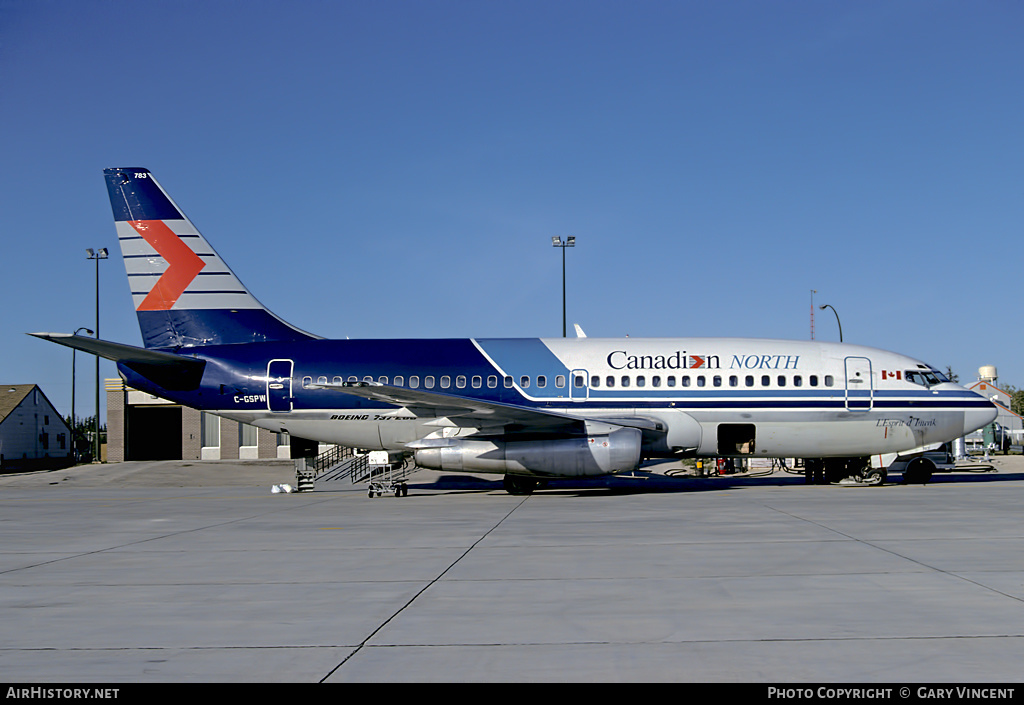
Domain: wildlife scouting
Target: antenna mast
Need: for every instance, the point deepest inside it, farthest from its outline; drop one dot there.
(813, 292)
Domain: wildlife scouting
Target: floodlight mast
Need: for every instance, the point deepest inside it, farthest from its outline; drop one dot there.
(570, 241)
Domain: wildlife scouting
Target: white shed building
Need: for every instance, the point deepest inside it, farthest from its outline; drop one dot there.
(32, 434)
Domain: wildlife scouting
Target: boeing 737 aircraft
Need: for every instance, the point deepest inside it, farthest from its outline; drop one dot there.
(528, 409)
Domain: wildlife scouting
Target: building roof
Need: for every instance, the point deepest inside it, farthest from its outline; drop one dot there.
(986, 383)
(11, 395)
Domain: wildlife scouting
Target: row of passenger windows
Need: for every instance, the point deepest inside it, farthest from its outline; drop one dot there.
(716, 381)
(596, 381)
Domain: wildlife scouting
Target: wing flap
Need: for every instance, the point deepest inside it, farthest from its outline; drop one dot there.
(459, 409)
(489, 416)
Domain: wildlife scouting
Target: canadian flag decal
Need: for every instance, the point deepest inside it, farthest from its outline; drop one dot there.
(182, 264)
(886, 374)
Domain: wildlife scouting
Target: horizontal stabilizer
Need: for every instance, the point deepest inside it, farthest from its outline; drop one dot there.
(170, 371)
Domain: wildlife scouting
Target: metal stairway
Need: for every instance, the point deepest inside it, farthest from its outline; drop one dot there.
(340, 462)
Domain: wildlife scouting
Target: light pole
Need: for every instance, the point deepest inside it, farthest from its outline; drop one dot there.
(570, 241)
(97, 255)
(74, 425)
(837, 320)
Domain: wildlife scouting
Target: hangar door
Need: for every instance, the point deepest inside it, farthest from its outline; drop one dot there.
(152, 432)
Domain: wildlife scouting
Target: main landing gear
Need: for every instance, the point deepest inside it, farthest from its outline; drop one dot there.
(522, 485)
(519, 485)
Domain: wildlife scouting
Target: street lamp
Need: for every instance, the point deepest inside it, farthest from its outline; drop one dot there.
(569, 242)
(74, 440)
(837, 320)
(97, 255)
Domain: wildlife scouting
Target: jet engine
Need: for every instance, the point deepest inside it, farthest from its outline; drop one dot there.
(602, 454)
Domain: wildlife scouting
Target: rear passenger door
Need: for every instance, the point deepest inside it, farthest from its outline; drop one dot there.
(279, 385)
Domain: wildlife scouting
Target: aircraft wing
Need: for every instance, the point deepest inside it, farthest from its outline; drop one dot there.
(469, 412)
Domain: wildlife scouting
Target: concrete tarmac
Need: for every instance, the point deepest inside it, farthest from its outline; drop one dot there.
(196, 571)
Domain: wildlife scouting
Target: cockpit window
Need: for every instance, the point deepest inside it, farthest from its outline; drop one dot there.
(926, 378)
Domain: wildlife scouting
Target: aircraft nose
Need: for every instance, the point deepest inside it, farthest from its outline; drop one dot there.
(979, 417)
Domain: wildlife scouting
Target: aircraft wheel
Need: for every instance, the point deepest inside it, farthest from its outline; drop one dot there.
(518, 485)
(875, 476)
(919, 471)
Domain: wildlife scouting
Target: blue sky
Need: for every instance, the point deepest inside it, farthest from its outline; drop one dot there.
(398, 168)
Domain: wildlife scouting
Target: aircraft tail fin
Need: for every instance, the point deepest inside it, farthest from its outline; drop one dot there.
(185, 295)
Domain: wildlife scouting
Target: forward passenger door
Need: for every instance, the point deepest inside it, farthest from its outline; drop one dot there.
(859, 387)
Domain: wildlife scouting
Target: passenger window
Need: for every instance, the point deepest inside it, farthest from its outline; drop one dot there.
(367, 378)
(671, 380)
(829, 381)
(734, 381)
(399, 381)
(625, 380)
(749, 380)
(542, 381)
(782, 380)
(492, 381)
(766, 381)
(460, 381)
(321, 380)
(508, 382)
(641, 381)
(446, 381)
(428, 381)
(478, 381)
(700, 380)
(813, 380)
(306, 381)
(798, 381)
(595, 381)
(717, 380)
(414, 381)
(686, 380)
(655, 381)
(524, 382)
(336, 380)
(579, 381)
(382, 379)
(560, 381)
(353, 379)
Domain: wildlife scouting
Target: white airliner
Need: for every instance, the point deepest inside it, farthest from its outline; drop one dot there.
(528, 409)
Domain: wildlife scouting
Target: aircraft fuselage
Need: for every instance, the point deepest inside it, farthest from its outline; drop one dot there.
(702, 396)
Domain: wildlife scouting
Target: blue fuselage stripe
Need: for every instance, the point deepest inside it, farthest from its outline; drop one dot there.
(240, 370)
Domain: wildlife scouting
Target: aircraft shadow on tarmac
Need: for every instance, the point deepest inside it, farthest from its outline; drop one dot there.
(640, 482)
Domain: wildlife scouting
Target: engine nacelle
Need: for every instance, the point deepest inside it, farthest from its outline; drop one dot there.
(605, 454)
